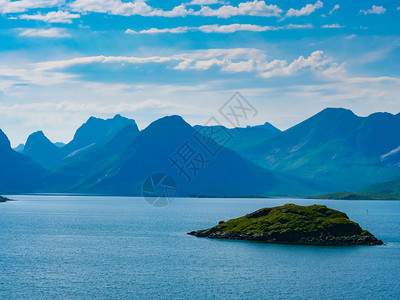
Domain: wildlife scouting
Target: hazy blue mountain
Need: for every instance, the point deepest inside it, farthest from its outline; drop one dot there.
(151, 152)
(87, 165)
(91, 135)
(19, 148)
(239, 139)
(389, 187)
(335, 146)
(95, 133)
(42, 150)
(18, 173)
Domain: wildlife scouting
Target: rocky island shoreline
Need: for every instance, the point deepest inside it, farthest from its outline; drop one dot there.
(3, 199)
(293, 224)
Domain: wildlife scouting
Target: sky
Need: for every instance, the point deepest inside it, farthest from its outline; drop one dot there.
(64, 61)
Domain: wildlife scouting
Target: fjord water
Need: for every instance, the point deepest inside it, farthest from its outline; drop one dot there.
(82, 247)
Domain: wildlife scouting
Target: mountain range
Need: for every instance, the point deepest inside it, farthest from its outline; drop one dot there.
(336, 147)
(92, 134)
(332, 151)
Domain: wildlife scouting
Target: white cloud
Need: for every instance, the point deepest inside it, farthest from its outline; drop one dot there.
(7, 6)
(317, 62)
(182, 60)
(335, 8)
(332, 26)
(205, 2)
(298, 26)
(141, 8)
(304, 11)
(49, 75)
(117, 7)
(350, 37)
(53, 17)
(250, 8)
(232, 28)
(47, 33)
(378, 10)
(228, 60)
(16, 76)
(183, 29)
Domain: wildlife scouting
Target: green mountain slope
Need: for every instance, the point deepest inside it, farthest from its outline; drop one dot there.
(239, 139)
(390, 187)
(335, 146)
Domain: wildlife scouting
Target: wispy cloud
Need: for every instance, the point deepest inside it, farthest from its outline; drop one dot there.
(250, 8)
(208, 8)
(117, 7)
(53, 17)
(304, 11)
(333, 26)
(7, 6)
(232, 28)
(236, 60)
(377, 10)
(182, 29)
(317, 62)
(45, 33)
(335, 8)
(141, 8)
(350, 37)
(227, 60)
(205, 2)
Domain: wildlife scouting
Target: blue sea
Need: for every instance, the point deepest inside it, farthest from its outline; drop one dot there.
(81, 247)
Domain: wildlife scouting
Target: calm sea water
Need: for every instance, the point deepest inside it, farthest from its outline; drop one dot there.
(78, 247)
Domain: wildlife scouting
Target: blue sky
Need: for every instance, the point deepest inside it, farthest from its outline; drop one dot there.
(63, 61)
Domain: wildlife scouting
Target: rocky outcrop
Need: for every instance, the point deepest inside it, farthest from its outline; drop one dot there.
(3, 199)
(293, 224)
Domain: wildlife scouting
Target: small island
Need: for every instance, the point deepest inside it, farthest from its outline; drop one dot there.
(293, 224)
(3, 199)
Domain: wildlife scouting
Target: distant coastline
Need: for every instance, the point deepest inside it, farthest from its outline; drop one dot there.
(332, 196)
(356, 196)
(246, 196)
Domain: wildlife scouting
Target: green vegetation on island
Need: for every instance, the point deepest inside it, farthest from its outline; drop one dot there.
(293, 224)
(357, 196)
(3, 199)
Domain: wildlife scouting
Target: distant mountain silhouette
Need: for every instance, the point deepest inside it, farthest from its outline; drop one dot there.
(239, 139)
(18, 173)
(42, 150)
(95, 133)
(336, 146)
(88, 165)
(92, 134)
